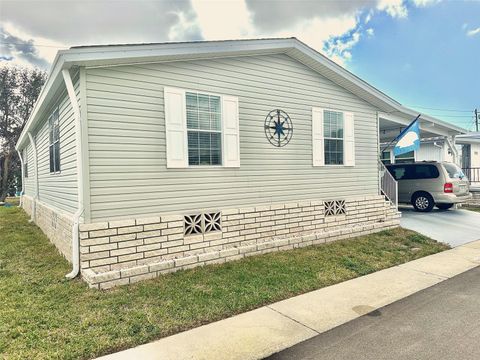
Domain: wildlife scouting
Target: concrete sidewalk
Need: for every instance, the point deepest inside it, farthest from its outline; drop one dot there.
(264, 331)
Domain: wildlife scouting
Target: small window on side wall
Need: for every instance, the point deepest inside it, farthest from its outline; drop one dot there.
(54, 144)
(333, 132)
(204, 129)
(333, 138)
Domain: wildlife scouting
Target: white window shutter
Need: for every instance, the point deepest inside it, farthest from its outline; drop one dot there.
(349, 140)
(176, 128)
(318, 147)
(231, 132)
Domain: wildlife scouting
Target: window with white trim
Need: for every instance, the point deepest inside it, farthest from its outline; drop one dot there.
(201, 129)
(54, 144)
(204, 129)
(333, 126)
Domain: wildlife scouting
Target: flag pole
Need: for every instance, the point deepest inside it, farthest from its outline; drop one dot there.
(401, 133)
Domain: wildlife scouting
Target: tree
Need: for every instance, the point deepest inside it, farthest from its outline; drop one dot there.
(19, 89)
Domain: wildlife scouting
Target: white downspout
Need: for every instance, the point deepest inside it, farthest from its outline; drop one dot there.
(35, 162)
(452, 147)
(23, 177)
(78, 132)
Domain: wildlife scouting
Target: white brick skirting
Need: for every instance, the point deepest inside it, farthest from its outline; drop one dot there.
(54, 223)
(125, 251)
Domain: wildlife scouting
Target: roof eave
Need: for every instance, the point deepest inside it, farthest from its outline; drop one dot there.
(52, 83)
(125, 54)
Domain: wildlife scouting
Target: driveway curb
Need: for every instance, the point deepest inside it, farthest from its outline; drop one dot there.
(272, 328)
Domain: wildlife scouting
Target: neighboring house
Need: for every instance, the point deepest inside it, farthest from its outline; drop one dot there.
(470, 145)
(431, 149)
(144, 159)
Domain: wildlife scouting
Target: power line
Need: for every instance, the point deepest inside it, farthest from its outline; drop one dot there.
(452, 116)
(439, 109)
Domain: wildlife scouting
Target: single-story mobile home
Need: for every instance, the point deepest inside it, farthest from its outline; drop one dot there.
(145, 159)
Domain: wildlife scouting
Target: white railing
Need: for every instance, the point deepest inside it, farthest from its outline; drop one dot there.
(388, 185)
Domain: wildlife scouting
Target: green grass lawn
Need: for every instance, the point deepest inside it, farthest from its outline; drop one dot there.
(472, 208)
(43, 315)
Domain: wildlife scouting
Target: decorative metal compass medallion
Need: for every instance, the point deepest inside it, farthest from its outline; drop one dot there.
(278, 128)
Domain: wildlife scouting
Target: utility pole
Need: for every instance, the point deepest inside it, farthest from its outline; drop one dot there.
(476, 119)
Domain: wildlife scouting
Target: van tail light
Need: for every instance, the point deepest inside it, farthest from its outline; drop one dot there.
(448, 188)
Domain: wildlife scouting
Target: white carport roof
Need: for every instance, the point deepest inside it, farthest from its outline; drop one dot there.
(468, 138)
(109, 55)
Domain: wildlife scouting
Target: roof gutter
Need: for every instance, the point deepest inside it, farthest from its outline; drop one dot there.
(80, 208)
(453, 149)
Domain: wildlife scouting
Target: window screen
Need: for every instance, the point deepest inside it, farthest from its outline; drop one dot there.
(333, 137)
(204, 129)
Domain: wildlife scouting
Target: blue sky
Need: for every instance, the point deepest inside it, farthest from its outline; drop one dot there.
(423, 53)
(426, 59)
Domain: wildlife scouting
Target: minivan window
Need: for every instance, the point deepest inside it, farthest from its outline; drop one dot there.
(424, 172)
(414, 172)
(454, 172)
(398, 172)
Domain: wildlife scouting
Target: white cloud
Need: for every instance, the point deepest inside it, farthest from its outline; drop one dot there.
(332, 27)
(223, 20)
(394, 8)
(24, 49)
(473, 32)
(425, 3)
(234, 20)
(185, 29)
(369, 16)
(339, 49)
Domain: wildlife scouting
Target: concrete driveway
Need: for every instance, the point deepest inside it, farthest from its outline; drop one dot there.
(454, 227)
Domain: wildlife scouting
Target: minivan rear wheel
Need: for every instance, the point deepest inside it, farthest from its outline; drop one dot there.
(423, 202)
(444, 206)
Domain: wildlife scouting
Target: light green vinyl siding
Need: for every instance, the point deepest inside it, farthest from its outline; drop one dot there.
(30, 180)
(56, 190)
(128, 174)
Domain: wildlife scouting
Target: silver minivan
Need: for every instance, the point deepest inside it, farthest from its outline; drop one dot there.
(429, 183)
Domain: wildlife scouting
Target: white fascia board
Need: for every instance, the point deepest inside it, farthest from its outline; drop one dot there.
(53, 81)
(108, 55)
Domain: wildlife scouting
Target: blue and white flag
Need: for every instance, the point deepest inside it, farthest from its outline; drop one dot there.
(408, 140)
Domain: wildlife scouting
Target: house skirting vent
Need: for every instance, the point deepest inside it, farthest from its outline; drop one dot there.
(202, 223)
(335, 207)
